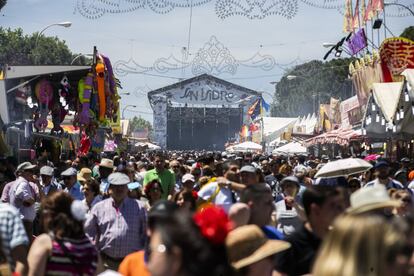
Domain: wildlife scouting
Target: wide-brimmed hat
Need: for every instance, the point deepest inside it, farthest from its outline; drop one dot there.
(106, 163)
(84, 175)
(371, 198)
(25, 166)
(248, 244)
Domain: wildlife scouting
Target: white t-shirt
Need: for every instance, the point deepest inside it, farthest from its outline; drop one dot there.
(287, 220)
(223, 199)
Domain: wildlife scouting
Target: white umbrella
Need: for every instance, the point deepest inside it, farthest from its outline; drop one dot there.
(291, 148)
(148, 144)
(343, 167)
(247, 146)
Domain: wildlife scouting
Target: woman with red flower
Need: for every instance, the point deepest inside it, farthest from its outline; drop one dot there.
(186, 200)
(191, 245)
(153, 192)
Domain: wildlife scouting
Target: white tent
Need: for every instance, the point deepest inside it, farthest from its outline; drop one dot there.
(148, 144)
(245, 147)
(291, 148)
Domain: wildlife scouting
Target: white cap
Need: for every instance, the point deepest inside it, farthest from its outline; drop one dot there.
(46, 170)
(69, 172)
(118, 179)
(188, 177)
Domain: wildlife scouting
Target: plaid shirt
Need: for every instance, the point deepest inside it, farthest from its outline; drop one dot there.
(11, 230)
(117, 232)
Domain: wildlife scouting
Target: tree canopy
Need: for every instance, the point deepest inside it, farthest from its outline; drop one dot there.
(408, 33)
(139, 123)
(315, 82)
(17, 48)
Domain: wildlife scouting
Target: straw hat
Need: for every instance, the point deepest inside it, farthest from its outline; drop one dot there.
(84, 175)
(371, 198)
(248, 244)
(106, 163)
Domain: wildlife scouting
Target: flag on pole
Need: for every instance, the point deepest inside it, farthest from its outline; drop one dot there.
(369, 11)
(363, 9)
(265, 105)
(356, 21)
(348, 19)
(377, 5)
(255, 110)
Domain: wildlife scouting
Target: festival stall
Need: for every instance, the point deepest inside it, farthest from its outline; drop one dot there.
(334, 142)
(389, 115)
(50, 109)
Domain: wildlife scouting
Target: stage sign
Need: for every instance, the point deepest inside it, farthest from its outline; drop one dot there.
(207, 92)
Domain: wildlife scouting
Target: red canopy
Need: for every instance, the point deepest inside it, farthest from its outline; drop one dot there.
(339, 136)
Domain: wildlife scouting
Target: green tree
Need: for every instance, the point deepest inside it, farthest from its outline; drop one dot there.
(139, 123)
(16, 48)
(2, 3)
(315, 83)
(408, 33)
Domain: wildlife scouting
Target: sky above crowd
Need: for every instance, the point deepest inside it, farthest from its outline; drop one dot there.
(145, 36)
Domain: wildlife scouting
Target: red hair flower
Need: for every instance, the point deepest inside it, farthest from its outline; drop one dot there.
(194, 194)
(214, 224)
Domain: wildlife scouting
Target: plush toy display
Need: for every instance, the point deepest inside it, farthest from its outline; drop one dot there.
(44, 95)
(100, 79)
(64, 92)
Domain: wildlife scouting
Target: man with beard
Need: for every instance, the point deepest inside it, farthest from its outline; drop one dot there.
(382, 173)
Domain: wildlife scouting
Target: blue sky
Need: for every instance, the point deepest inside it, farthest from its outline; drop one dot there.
(146, 36)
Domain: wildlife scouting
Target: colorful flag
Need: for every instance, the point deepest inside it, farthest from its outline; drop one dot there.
(255, 110)
(265, 105)
(369, 11)
(355, 20)
(363, 21)
(244, 131)
(348, 19)
(377, 5)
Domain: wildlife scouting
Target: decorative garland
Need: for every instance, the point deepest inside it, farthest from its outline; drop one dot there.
(213, 58)
(95, 9)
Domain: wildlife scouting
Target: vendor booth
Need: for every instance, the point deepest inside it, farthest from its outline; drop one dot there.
(52, 109)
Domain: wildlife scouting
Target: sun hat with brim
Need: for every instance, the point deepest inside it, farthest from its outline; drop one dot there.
(106, 163)
(25, 166)
(370, 199)
(247, 245)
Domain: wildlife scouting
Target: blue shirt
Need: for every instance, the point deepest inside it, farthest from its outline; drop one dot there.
(272, 233)
(75, 191)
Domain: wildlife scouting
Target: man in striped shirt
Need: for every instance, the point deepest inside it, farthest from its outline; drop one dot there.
(117, 224)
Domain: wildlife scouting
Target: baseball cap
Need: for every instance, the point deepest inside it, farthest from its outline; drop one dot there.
(188, 177)
(381, 164)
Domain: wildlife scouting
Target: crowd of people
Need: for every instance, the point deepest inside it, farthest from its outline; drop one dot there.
(204, 213)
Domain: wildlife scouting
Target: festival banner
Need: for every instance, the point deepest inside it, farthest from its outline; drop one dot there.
(348, 19)
(397, 54)
(369, 11)
(356, 20)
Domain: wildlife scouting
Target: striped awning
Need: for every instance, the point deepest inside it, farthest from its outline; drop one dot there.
(339, 136)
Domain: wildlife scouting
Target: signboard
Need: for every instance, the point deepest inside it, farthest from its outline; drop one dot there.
(346, 106)
(207, 92)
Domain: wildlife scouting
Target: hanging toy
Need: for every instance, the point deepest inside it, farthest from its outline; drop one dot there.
(85, 145)
(44, 94)
(100, 79)
(64, 92)
(58, 115)
(85, 91)
(23, 94)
